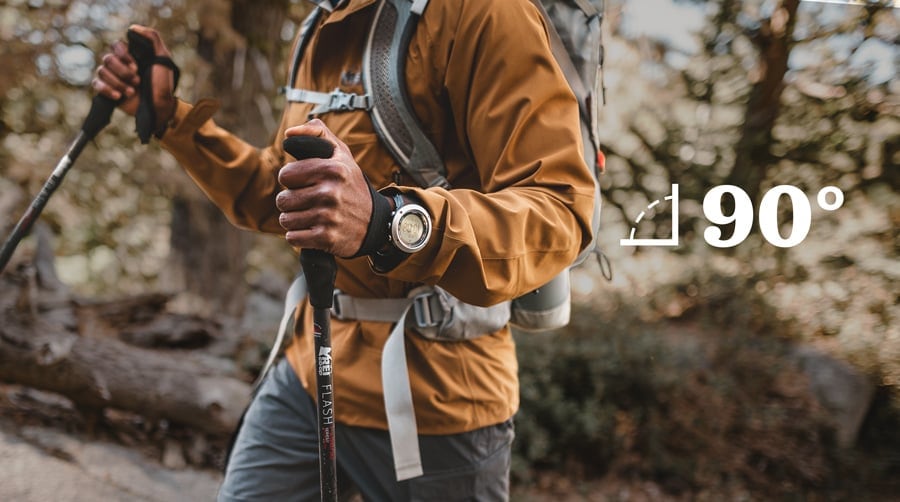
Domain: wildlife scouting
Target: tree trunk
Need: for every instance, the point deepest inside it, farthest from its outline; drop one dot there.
(753, 158)
(239, 39)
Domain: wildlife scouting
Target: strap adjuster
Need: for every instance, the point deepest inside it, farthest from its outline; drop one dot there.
(343, 101)
(334, 101)
(425, 316)
(336, 304)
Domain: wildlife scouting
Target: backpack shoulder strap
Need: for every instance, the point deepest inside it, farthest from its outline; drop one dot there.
(335, 100)
(395, 121)
(306, 30)
(561, 54)
(386, 98)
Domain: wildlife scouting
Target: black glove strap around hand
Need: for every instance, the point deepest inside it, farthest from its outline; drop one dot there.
(141, 49)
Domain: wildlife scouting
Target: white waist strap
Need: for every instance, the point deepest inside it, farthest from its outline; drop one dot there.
(427, 309)
(292, 298)
(368, 309)
(398, 402)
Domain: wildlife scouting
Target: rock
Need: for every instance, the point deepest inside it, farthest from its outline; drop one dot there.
(172, 457)
(845, 392)
(196, 451)
(38, 463)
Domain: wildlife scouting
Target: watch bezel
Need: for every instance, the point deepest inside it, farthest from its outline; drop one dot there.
(410, 210)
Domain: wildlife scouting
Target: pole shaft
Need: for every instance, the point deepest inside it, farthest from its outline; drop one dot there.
(320, 269)
(37, 205)
(325, 405)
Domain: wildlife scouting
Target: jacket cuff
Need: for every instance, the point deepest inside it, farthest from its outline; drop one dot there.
(412, 267)
(186, 121)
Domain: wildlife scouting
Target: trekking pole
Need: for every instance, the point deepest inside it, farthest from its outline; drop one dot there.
(97, 118)
(320, 270)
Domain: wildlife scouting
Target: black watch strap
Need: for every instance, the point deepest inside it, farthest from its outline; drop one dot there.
(389, 257)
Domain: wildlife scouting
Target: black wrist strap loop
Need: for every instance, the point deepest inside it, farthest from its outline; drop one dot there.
(141, 49)
(379, 225)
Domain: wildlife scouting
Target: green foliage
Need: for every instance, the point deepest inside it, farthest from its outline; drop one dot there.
(682, 119)
(573, 389)
(112, 214)
(703, 404)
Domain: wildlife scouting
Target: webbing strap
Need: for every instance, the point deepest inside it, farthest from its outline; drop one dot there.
(398, 404)
(306, 30)
(292, 298)
(368, 309)
(588, 8)
(334, 101)
(418, 7)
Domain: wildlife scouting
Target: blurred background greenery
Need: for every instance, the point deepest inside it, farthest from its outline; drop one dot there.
(707, 373)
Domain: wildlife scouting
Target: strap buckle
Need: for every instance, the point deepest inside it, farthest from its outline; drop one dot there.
(336, 304)
(425, 316)
(343, 101)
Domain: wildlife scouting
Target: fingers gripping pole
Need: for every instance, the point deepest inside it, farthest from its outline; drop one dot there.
(319, 266)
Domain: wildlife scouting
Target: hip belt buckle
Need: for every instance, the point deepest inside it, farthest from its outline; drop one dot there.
(426, 315)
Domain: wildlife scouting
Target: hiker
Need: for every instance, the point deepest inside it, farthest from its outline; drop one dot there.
(512, 210)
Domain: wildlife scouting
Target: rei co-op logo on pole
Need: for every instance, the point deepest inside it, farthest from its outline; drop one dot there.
(324, 361)
(829, 198)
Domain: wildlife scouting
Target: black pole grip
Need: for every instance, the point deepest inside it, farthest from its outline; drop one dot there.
(308, 147)
(99, 116)
(102, 108)
(321, 271)
(141, 49)
(319, 266)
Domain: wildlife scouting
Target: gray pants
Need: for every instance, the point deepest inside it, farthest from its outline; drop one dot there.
(276, 457)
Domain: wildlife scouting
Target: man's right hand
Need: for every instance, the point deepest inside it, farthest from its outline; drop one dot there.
(117, 77)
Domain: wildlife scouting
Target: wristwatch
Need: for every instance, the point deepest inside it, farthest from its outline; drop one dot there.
(410, 226)
(408, 232)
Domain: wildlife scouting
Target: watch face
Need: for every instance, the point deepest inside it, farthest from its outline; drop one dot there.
(411, 229)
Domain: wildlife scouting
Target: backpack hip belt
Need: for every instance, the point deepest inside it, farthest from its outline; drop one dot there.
(437, 315)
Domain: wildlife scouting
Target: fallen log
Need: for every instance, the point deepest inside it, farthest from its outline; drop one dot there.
(107, 373)
(42, 345)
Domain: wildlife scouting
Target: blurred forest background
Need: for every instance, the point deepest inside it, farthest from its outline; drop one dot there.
(136, 316)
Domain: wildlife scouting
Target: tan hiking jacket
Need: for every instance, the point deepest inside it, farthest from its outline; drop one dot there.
(484, 83)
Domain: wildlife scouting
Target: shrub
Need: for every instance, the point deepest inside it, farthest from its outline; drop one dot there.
(668, 403)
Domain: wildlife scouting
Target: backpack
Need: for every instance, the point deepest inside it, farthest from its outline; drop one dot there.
(575, 39)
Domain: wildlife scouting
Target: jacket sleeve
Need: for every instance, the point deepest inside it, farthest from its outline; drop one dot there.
(518, 120)
(239, 178)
